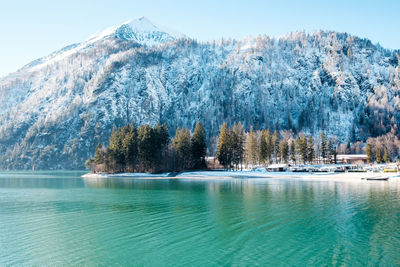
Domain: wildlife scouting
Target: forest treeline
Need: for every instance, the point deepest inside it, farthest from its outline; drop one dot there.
(237, 147)
(383, 149)
(150, 149)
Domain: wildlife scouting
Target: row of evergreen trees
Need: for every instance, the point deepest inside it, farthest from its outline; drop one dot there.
(235, 147)
(149, 149)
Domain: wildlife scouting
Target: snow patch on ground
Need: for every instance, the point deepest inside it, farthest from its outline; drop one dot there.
(212, 175)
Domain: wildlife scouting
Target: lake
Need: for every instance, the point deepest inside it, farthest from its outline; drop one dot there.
(57, 218)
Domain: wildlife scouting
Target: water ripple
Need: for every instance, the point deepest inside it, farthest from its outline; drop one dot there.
(61, 220)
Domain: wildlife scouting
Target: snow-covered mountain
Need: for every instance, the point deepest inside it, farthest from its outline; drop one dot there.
(55, 110)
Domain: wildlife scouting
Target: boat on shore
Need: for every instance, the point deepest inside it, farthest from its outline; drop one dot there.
(376, 178)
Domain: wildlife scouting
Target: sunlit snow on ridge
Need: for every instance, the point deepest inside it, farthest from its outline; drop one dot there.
(140, 30)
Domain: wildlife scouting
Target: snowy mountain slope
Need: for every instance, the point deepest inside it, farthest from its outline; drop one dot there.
(140, 30)
(54, 112)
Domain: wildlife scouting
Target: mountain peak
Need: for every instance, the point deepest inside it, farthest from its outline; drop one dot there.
(144, 19)
(140, 30)
(141, 24)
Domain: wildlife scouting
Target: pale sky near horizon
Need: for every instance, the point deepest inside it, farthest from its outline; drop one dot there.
(33, 29)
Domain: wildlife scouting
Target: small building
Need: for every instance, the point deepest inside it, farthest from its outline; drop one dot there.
(277, 168)
(352, 158)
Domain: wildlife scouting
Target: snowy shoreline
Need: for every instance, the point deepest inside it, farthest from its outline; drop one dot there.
(213, 175)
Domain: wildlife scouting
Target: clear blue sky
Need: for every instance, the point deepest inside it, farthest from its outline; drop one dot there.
(32, 29)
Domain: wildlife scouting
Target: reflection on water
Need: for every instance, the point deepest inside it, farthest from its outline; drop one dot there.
(58, 218)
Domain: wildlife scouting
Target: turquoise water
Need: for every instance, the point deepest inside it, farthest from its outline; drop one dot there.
(58, 218)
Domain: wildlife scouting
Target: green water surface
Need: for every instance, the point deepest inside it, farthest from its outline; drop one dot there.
(60, 219)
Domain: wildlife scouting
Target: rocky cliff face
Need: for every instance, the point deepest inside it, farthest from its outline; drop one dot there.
(55, 110)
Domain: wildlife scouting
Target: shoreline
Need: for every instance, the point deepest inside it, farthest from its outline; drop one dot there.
(218, 175)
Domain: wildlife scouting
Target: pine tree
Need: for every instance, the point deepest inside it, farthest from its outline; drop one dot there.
(310, 149)
(129, 144)
(237, 135)
(251, 147)
(146, 147)
(284, 148)
(99, 155)
(275, 145)
(292, 151)
(269, 148)
(263, 147)
(303, 148)
(369, 152)
(233, 144)
(223, 150)
(323, 147)
(299, 149)
(160, 140)
(183, 147)
(348, 147)
(199, 148)
(329, 151)
(161, 135)
(115, 150)
(335, 152)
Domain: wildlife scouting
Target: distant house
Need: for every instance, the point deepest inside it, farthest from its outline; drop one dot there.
(352, 158)
(277, 167)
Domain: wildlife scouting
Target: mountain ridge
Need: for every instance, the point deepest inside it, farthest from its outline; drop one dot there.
(54, 116)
